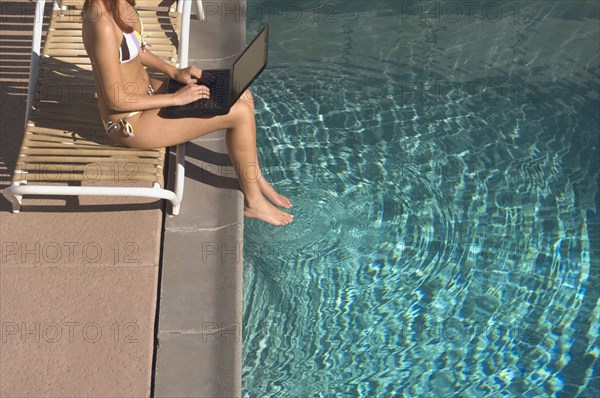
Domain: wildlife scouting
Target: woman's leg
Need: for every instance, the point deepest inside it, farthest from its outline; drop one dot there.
(265, 187)
(152, 131)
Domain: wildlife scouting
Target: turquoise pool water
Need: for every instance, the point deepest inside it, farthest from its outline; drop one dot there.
(443, 158)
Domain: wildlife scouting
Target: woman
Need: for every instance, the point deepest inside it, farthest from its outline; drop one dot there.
(129, 102)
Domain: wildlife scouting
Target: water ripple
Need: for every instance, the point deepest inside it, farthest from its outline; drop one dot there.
(442, 245)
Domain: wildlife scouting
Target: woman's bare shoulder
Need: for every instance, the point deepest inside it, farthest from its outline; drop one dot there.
(97, 20)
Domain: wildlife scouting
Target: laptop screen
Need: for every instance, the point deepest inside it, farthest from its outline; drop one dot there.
(250, 63)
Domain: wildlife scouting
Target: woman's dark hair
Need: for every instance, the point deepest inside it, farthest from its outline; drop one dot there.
(113, 8)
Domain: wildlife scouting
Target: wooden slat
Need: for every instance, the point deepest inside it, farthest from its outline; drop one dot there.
(44, 130)
(82, 62)
(154, 39)
(75, 34)
(108, 151)
(120, 168)
(90, 119)
(160, 45)
(32, 139)
(68, 123)
(151, 25)
(49, 115)
(60, 16)
(64, 103)
(53, 100)
(91, 159)
(82, 54)
(70, 146)
(32, 128)
(156, 3)
(73, 68)
(57, 136)
(39, 177)
(50, 142)
(77, 13)
(138, 3)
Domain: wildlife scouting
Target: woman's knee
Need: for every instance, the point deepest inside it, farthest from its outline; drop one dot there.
(248, 99)
(243, 111)
(247, 96)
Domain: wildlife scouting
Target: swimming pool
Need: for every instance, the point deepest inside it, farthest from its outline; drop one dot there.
(443, 159)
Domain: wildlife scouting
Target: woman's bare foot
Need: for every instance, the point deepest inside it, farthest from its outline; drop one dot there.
(275, 198)
(265, 211)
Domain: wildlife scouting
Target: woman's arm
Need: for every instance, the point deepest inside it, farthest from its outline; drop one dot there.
(188, 75)
(155, 63)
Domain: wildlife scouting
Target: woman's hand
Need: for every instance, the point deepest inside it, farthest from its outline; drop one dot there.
(191, 74)
(190, 93)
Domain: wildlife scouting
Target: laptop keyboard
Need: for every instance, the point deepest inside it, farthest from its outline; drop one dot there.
(217, 104)
(217, 91)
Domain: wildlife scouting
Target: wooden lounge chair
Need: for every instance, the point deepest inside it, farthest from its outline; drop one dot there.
(64, 140)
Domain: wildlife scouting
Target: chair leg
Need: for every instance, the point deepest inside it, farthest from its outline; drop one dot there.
(175, 209)
(13, 198)
(175, 202)
(179, 177)
(16, 205)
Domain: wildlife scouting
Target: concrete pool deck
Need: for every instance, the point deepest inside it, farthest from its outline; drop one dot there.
(79, 277)
(199, 330)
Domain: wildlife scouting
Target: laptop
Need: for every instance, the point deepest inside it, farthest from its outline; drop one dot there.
(226, 85)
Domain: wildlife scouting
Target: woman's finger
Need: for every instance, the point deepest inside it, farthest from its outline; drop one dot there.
(195, 71)
(202, 89)
(200, 92)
